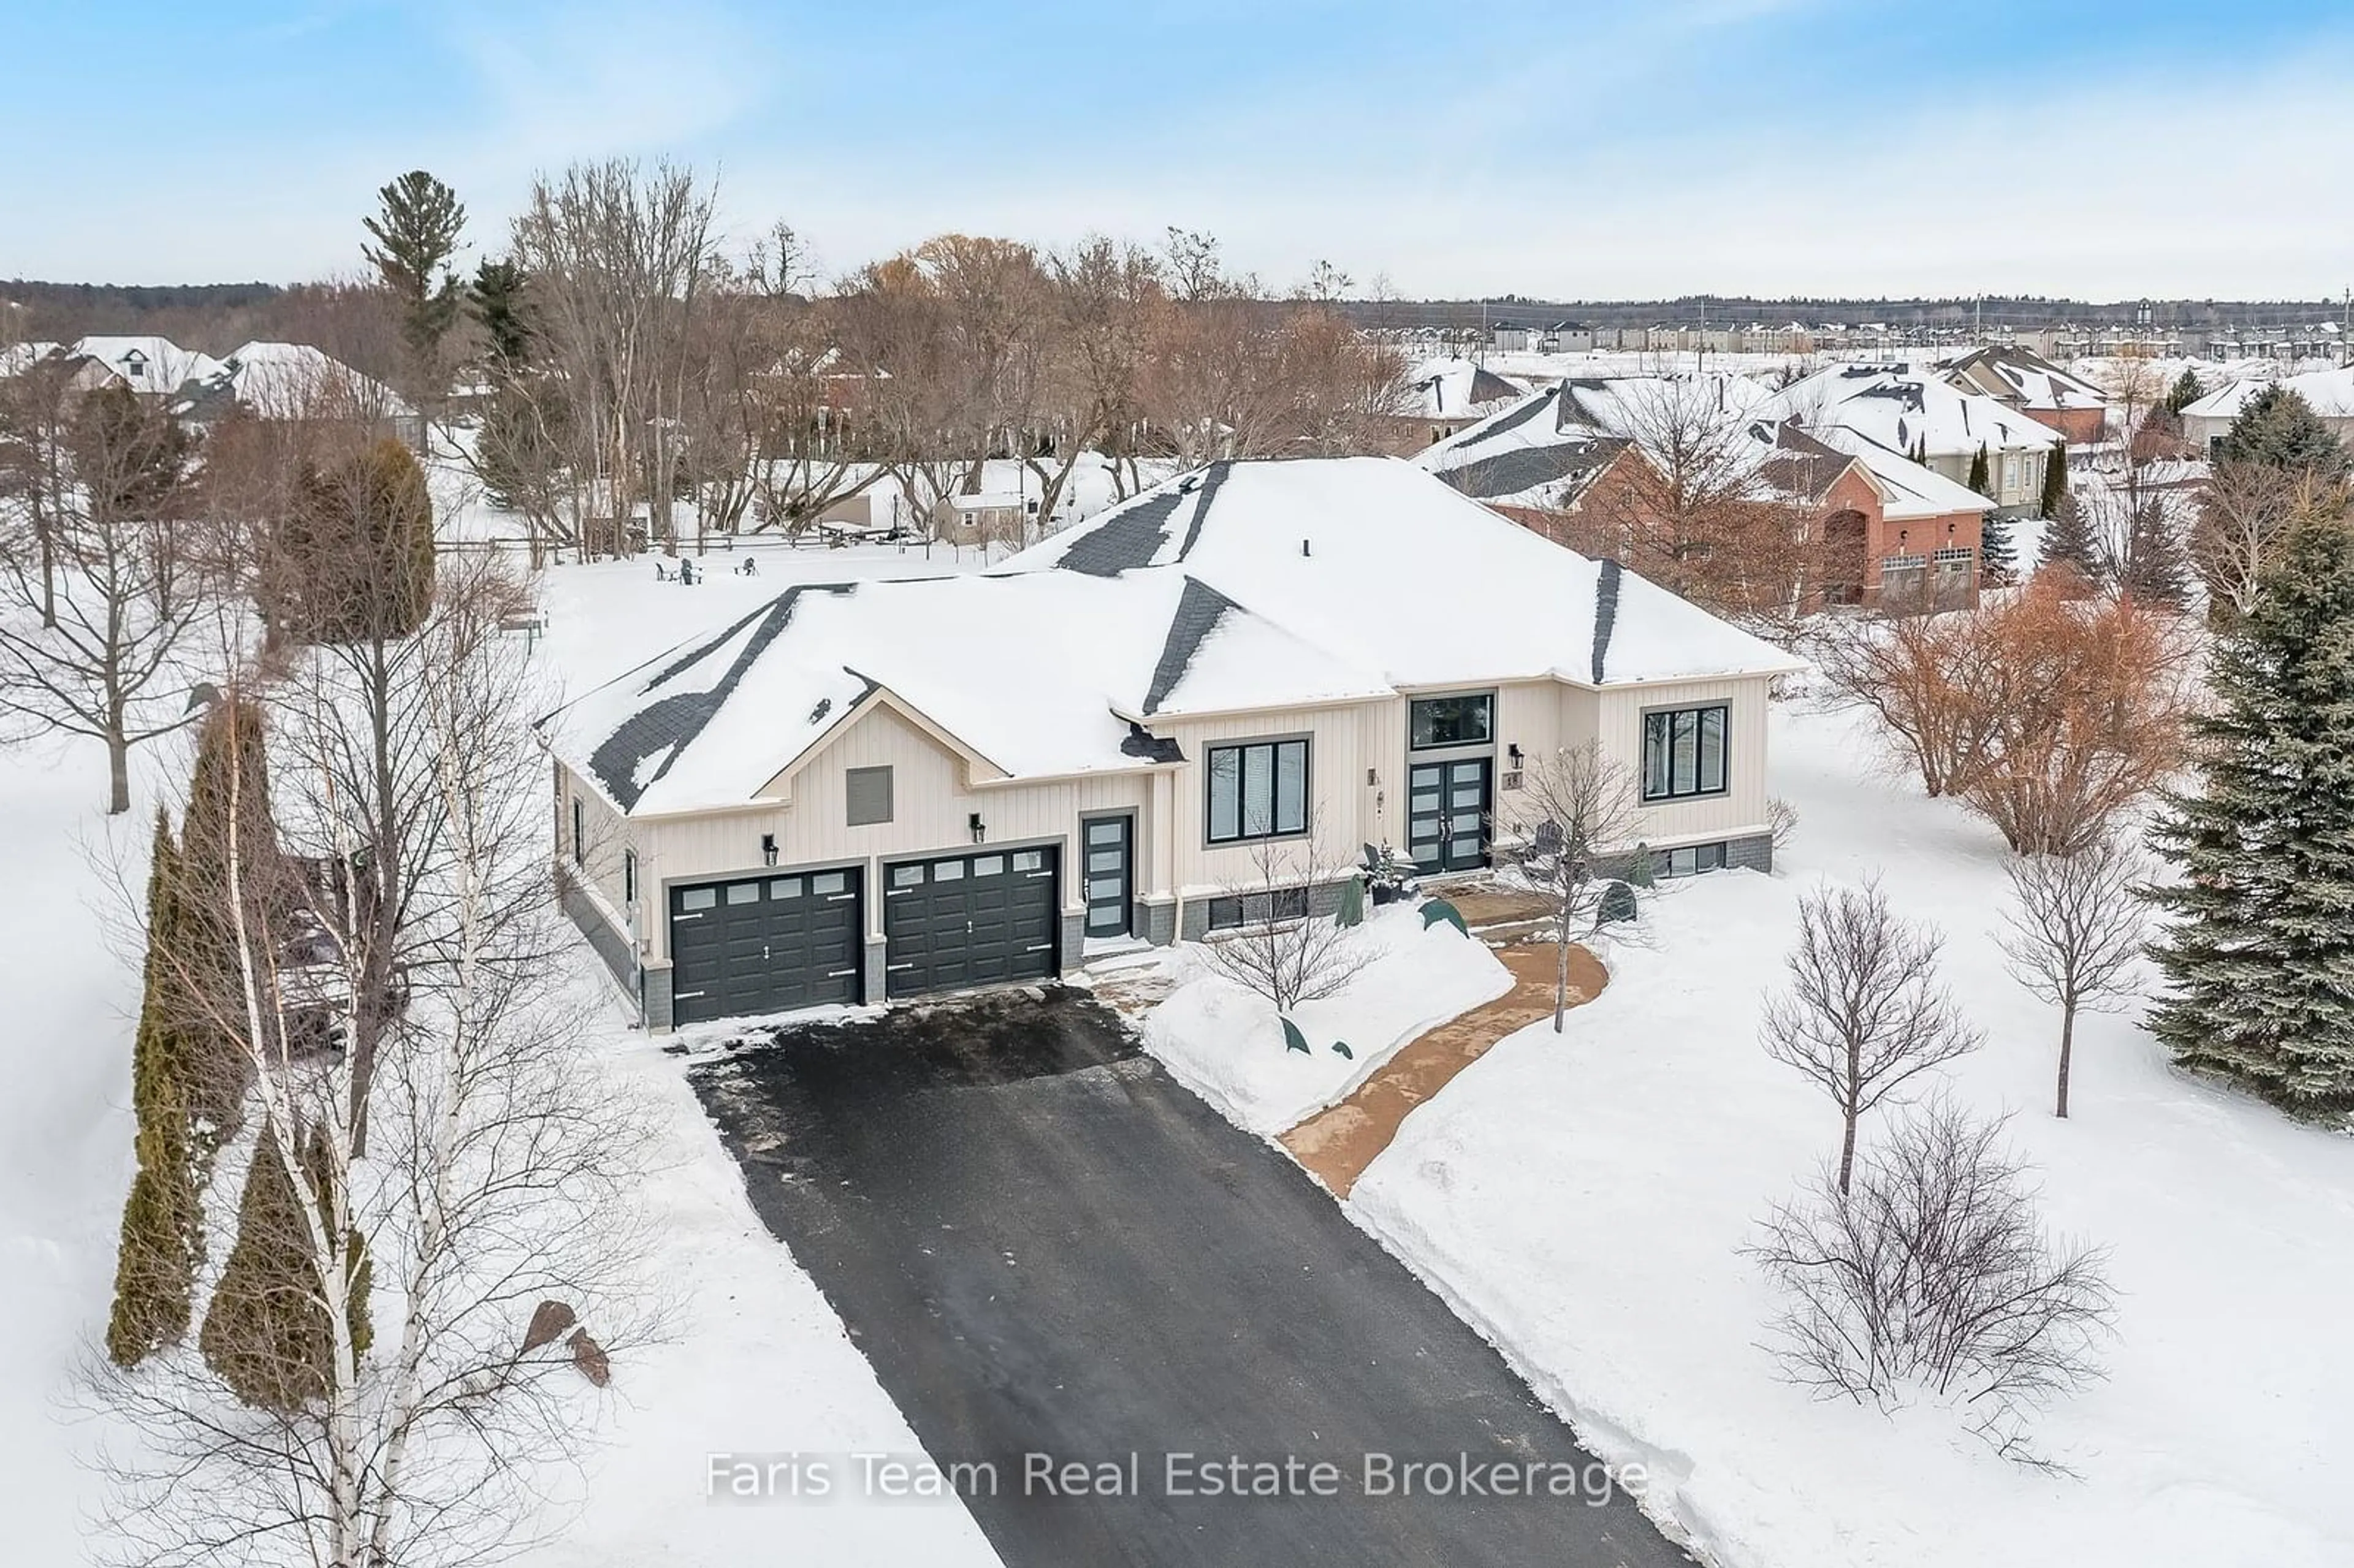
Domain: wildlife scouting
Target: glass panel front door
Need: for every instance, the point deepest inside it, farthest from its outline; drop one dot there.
(1107, 872)
(1446, 814)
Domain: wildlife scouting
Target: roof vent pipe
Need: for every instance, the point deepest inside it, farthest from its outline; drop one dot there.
(1303, 547)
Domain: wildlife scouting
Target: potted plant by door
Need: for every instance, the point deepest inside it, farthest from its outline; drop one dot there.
(1388, 875)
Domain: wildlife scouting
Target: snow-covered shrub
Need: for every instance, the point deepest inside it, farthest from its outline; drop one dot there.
(1934, 1272)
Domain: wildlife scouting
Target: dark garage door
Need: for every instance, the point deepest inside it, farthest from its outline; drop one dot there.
(764, 944)
(968, 920)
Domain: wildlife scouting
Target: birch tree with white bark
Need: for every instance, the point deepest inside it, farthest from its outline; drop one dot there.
(441, 1399)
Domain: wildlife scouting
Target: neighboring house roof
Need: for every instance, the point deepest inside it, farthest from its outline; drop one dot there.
(1900, 407)
(1520, 456)
(294, 381)
(2330, 392)
(16, 358)
(154, 365)
(1244, 587)
(1907, 489)
(2023, 378)
(1451, 388)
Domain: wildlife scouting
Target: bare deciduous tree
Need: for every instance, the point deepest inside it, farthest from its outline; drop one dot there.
(1936, 1271)
(1864, 1013)
(1281, 950)
(1574, 807)
(500, 1176)
(96, 602)
(2244, 515)
(2074, 930)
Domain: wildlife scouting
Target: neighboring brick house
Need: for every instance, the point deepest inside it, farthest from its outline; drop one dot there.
(1902, 410)
(1445, 395)
(2022, 379)
(1569, 463)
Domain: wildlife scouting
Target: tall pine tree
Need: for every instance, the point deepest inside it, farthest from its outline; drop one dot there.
(495, 299)
(415, 232)
(1978, 480)
(162, 1226)
(2152, 569)
(2260, 952)
(2188, 389)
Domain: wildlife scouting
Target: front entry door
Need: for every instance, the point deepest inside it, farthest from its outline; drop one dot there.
(1446, 814)
(1109, 875)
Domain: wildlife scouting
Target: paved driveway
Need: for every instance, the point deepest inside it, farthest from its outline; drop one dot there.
(1046, 1246)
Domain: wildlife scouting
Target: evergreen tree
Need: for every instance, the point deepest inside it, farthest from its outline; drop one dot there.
(318, 1162)
(230, 765)
(2153, 570)
(2260, 953)
(163, 1229)
(267, 1333)
(2188, 389)
(1998, 560)
(354, 556)
(1978, 473)
(2279, 429)
(1921, 450)
(2068, 540)
(2055, 479)
(497, 301)
(416, 231)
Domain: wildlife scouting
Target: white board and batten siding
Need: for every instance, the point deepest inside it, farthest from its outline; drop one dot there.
(1741, 810)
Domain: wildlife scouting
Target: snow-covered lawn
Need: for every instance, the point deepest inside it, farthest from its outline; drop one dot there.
(1582, 1200)
(757, 1364)
(1226, 1044)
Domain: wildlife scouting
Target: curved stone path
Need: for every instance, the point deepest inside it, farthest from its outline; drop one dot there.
(1337, 1143)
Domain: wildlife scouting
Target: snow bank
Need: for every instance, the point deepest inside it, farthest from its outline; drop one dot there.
(1226, 1044)
(1584, 1207)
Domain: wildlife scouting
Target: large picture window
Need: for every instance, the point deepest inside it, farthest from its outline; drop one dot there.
(1258, 790)
(1434, 722)
(1683, 753)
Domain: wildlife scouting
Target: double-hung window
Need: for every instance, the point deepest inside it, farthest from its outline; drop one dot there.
(1258, 790)
(1683, 753)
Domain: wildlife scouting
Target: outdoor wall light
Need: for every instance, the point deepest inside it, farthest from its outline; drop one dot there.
(1513, 751)
(980, 827)
(767, 849)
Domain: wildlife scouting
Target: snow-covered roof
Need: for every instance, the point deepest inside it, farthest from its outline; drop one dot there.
(1907, 489)
(1243, 586)
(16, 358)
(1451, 388)
(2330, 392)
(148, 363)
(987, 501)
(294, 380)
(1902, 408)
(2022, 377)
(1033, 675)
(1349, 553)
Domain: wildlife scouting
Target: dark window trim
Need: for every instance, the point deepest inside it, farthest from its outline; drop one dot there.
(1672, 795)
(579, 832)
(1489, 742)
(629, 878)
(1663, 864)
(1235, 911)
(1210, 751)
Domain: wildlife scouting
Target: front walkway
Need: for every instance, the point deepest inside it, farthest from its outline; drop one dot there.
(1337, 1143)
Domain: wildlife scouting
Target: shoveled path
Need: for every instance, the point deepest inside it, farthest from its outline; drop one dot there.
(1338, 1142)
(1044, 1245)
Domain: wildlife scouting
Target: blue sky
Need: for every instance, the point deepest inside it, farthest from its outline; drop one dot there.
(1582, 148)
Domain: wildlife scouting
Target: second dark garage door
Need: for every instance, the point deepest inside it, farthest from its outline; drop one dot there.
(765, 944)
(969, 919)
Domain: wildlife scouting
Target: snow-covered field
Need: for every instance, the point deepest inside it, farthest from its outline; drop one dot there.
(1582, 1200)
